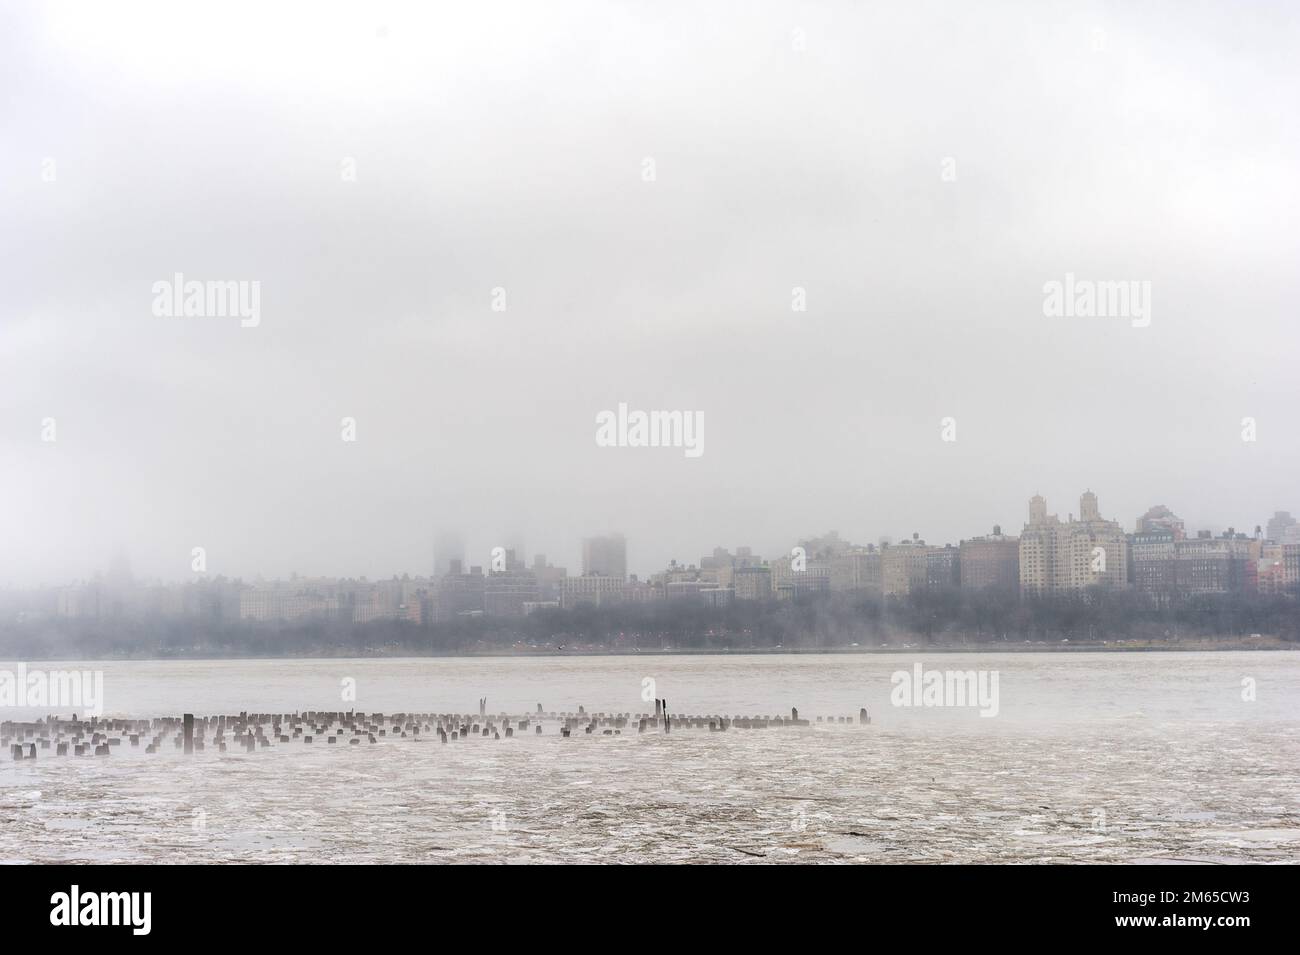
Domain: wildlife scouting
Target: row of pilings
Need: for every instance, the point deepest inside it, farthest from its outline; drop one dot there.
(253, 731)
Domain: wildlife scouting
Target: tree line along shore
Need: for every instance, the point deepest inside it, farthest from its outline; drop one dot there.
(956, 620)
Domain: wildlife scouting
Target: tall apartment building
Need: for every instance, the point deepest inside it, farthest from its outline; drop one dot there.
(905, 567)
(721, 565)
(1283, 528)
(1154, 562)
(548, 578)
(793, 578)
(416, 605)
(753, 583)
(505, 592)
(1064, 556)
(1271, 569)
(717, 567)
(605, 556)
(990, 563)
(856, 571)
(458, 593)
(943, 568)
(1217, 565)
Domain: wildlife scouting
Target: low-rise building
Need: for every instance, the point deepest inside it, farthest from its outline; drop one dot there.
(595, 589)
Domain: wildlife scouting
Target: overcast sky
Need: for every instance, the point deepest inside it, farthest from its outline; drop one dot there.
(503, 145)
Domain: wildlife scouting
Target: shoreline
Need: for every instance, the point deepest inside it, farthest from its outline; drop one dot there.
(551, 653)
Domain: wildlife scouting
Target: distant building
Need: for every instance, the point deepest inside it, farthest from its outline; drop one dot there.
(458, 593)
(753, 583)
(1271, 570)
(856, 571)
(1069, 556)
(81, 600)
(718, 567)
(506, 592)
(796, 577)
(1283, 528)
(1154, 554)
(677, 591)
(285, 603)
(1167, 567)
(717, 596)
(415, 607)
(990, 563)
(1291, 565)
(595, 589)
(605, 556)
(548, 578)
(381, 600)
(1217, 565)
(675, 573)
(828, 546)
(905, 567)
(721, 565)
(1161, 519)
(530, 608)
(641, 591)
(943, 568)
(448, 548)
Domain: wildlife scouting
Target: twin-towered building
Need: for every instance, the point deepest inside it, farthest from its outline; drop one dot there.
(1072, 555)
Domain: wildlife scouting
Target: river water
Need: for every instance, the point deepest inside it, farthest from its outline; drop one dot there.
(1086, 757)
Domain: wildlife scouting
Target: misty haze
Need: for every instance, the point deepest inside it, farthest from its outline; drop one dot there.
(619, 432)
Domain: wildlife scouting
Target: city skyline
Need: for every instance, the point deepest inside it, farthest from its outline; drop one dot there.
(450, 545)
